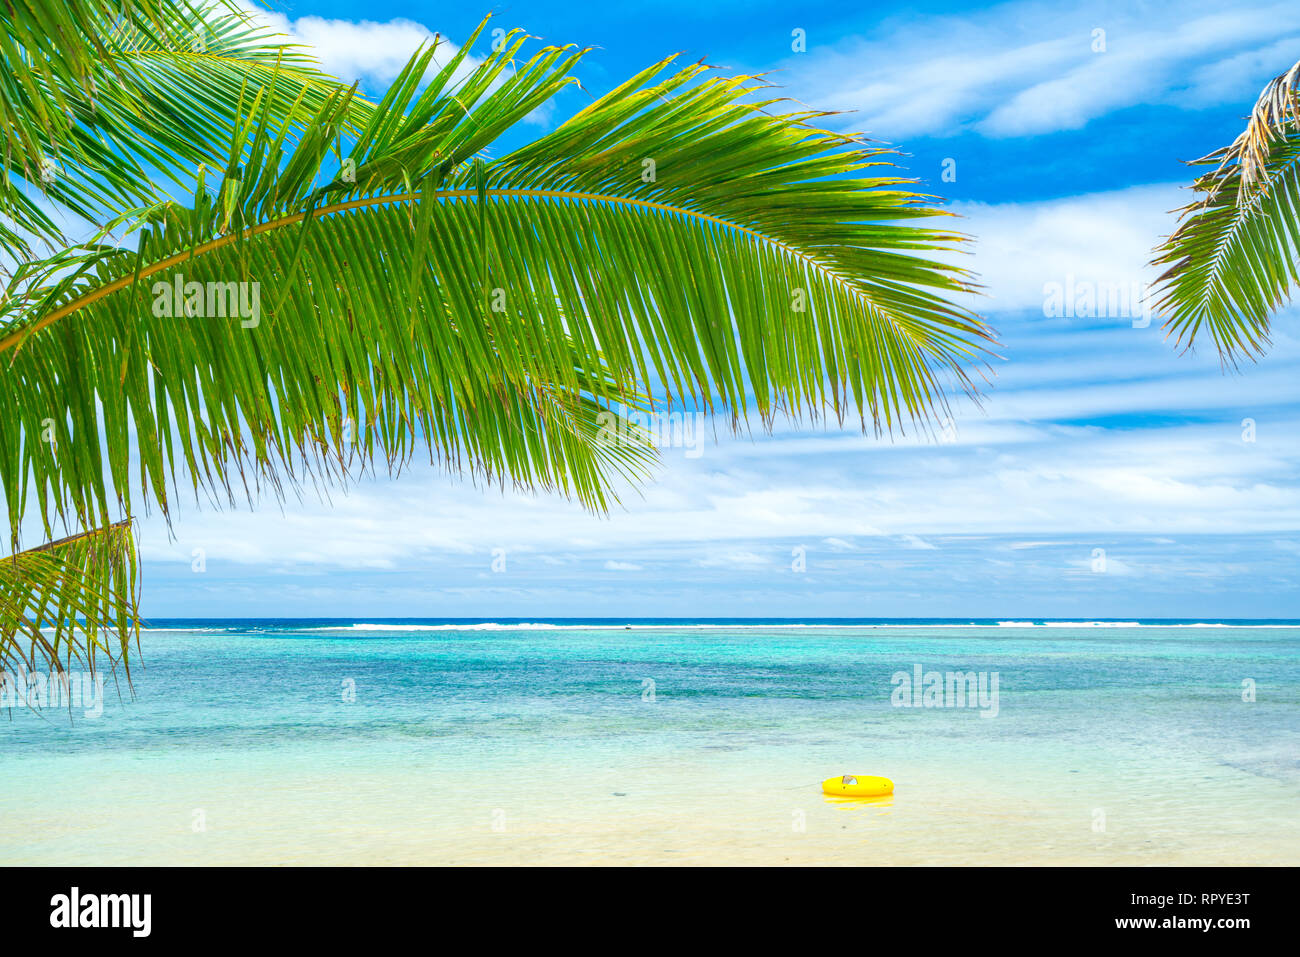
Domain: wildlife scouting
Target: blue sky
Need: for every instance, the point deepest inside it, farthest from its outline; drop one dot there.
(1104, 475)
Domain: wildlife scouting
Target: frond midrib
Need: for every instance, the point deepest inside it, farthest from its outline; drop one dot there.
(14, 338)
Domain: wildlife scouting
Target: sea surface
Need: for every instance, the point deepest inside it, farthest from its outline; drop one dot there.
(665, 742)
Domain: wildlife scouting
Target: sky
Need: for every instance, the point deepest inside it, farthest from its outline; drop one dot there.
(1103, 473)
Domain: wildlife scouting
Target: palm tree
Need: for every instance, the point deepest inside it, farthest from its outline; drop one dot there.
(1235, 256)
(678, 238)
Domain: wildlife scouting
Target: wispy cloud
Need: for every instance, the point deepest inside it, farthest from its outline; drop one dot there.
(1025, 69)
(1105, 239)
(622, 566)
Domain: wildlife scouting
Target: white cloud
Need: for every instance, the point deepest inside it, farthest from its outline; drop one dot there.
(1105, 239)
(1142, 61)
(1022, 69)
(1236, 78)
(623, 566)
(367, 51)
(1165, 481)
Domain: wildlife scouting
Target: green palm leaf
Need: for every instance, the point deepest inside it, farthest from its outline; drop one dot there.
(165, 85)
(69, 601)
(1235, 256)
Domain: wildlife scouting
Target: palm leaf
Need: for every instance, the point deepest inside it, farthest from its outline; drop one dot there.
(380, 292)
(163, 87)
(1235, 256)
(70, 601)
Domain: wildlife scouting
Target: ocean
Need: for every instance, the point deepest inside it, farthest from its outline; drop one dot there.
(659, 742)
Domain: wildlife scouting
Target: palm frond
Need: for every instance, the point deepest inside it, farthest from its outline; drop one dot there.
(490, 311)
(60, 43)
(1275, 116)
(164, 84)
(68, 602)
(1234, 259)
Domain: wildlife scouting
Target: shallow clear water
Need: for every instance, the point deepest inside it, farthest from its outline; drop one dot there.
(1127, 745)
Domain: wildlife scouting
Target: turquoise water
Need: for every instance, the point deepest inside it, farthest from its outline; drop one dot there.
(667, 743)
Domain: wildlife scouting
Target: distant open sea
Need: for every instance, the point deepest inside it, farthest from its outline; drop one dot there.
(660, 741)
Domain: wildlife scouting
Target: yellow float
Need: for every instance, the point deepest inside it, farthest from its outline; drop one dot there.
(858, 786)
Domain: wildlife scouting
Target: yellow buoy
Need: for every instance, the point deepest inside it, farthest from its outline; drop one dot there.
(857, 785)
